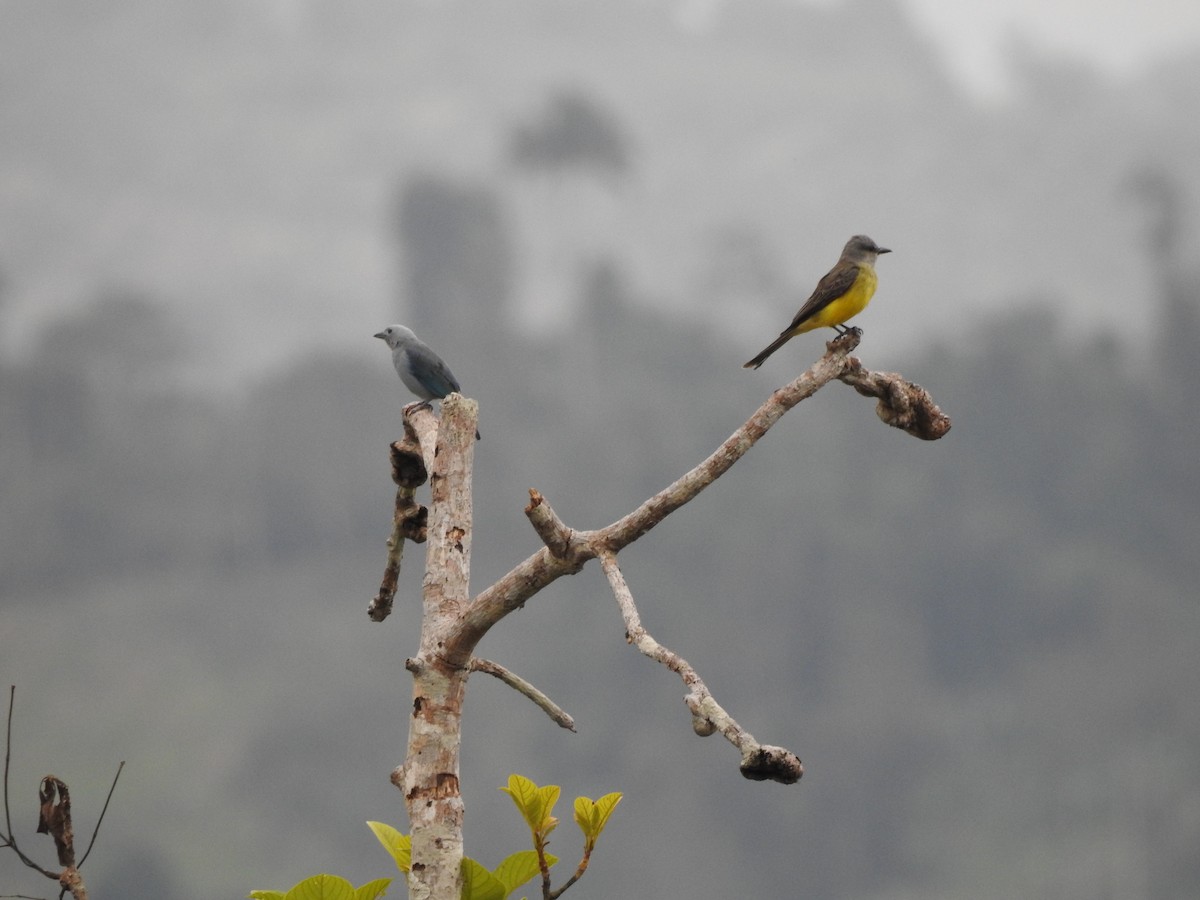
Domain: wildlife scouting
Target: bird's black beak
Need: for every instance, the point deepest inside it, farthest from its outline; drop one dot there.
(381, 336)
(877, 250)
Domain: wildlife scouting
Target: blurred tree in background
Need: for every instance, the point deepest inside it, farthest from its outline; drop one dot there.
(1041, 560)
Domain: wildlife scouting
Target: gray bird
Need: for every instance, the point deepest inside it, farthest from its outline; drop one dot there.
(422, 371)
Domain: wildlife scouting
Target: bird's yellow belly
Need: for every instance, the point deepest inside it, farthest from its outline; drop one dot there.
(847, 306)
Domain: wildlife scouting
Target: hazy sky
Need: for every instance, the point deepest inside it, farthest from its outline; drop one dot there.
(1120, 35)
(160, 234)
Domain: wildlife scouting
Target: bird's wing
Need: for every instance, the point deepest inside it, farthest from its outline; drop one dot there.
(836, 282)
(427, 367)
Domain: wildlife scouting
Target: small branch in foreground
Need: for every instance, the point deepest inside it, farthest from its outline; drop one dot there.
(520, 685)
(9, 839)
(575, 876)
(104, 809)
(54, 818)
(760, 762)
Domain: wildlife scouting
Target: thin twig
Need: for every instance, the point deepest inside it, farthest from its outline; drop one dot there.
(759, 761)
(96, 830)
(12, 693)
(578, 873)
(10, 839)
(519, 684)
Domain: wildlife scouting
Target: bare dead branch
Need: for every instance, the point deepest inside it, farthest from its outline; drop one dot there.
(453, 623)
(550, 528)
(380, 606)
(12, 691)
(95, 831)
(830, 366)
(410, 470)
(9, 839)
(519, 684)
(902, 404)
(759, 761)
(54, 818)
(567, 550)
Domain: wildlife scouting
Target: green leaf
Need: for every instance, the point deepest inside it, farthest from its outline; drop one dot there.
(519, 868)
(322, 887)
(535, 803)
(326, 887)
(591, 816)
(524, 794)
(479, 883)
(548, 795)
(395, 843)
(604, 808)
(585, 816)
(372, 889)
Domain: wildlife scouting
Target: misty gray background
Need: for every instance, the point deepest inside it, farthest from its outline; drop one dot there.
(984, 649)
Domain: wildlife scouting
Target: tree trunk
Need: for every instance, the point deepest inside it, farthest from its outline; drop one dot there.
(429, 777)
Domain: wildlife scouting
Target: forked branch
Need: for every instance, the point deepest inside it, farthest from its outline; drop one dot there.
(54, 819)
(453, 622)
(902, 404)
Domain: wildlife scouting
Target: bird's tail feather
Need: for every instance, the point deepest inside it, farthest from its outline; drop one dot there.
(774, 345)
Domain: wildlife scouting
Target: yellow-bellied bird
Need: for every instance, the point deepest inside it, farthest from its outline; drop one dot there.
(841, 295)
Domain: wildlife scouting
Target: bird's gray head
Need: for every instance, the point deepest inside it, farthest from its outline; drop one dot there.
(861, 248)
(395, 335)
